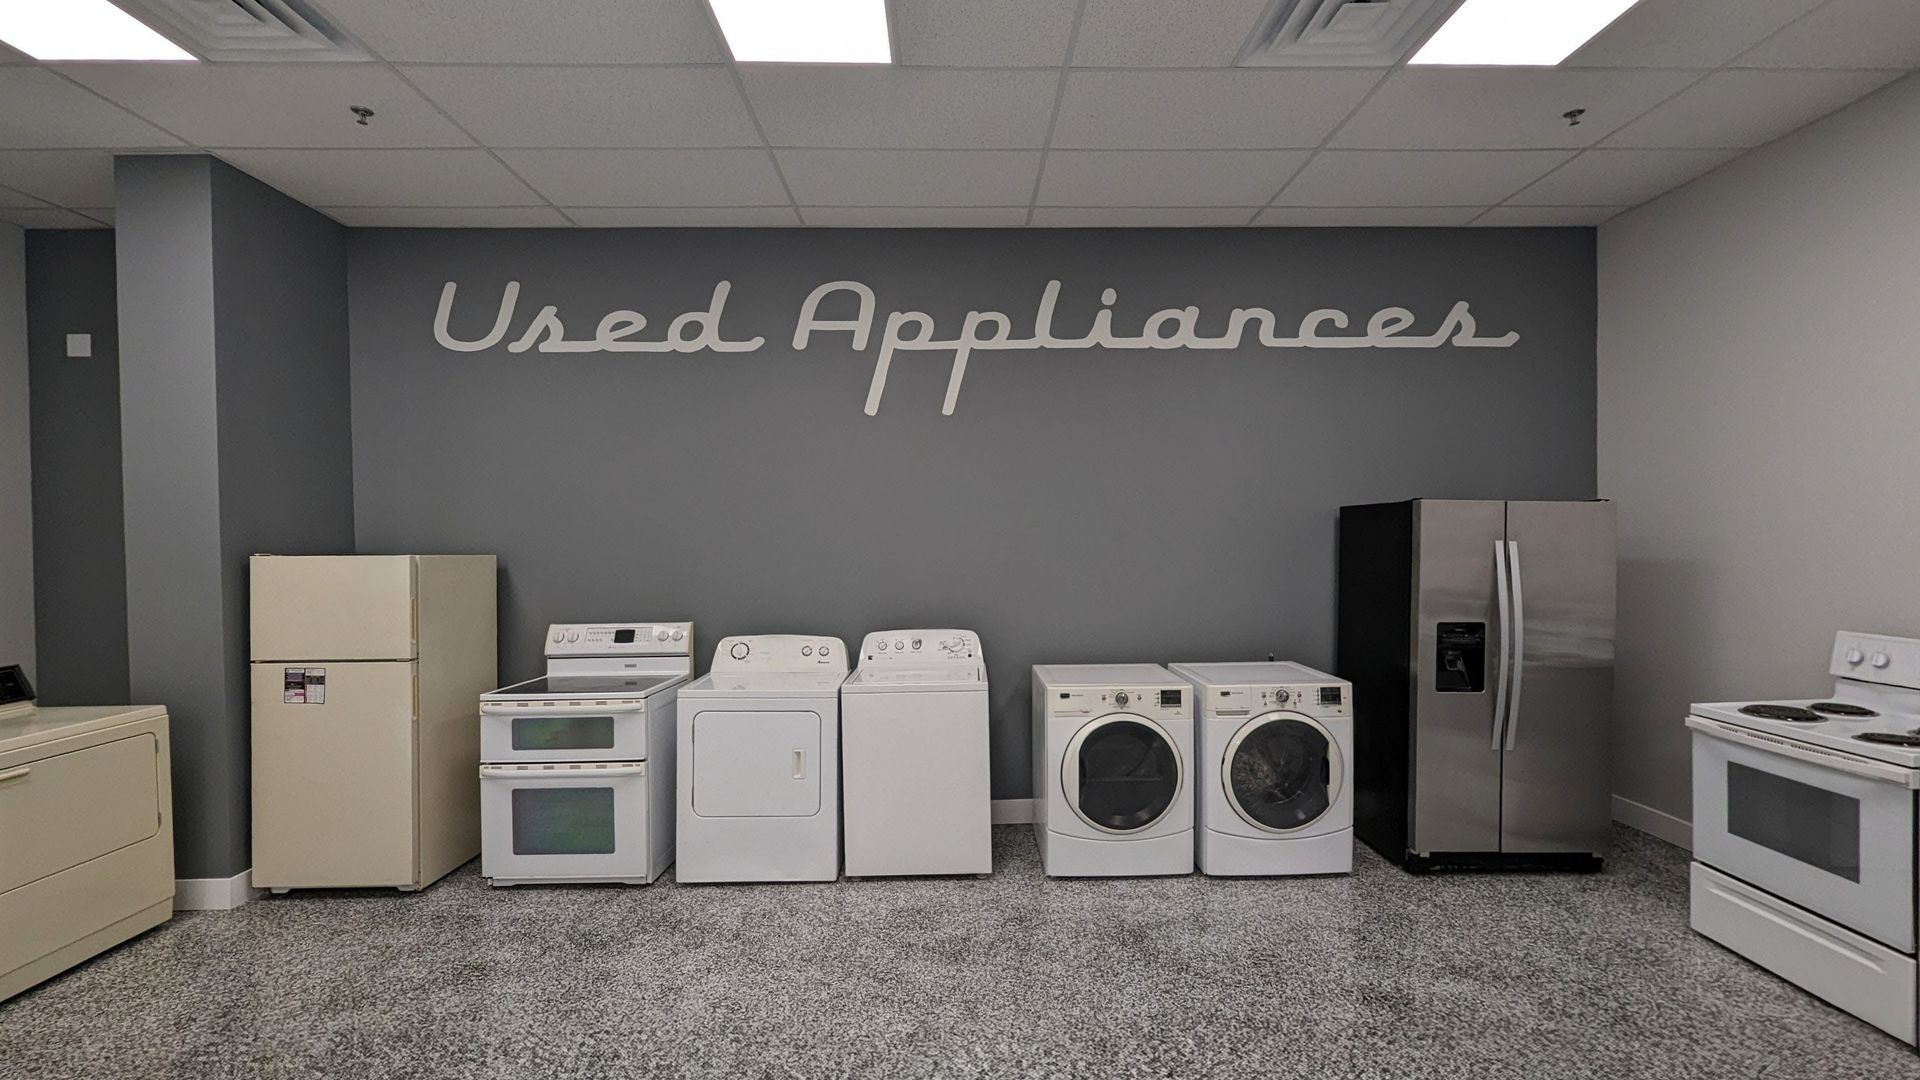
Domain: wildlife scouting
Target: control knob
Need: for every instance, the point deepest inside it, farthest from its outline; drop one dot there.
(1120, 698)
(1855, 656)
(916, 643)
(679, 634)
(882, 646)
(823, 650)
(1281, 697)
(559, 635)
(661, 634)
(1881, 659)
(740, 650)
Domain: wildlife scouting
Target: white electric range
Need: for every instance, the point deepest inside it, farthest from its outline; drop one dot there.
(1806, 832)
(577, 766)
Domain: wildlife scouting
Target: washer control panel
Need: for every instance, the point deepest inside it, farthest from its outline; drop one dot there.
(620, 639)
(1154, 702)
(1314, 699)
(1877, 658)
(780, 652)
(923, 646)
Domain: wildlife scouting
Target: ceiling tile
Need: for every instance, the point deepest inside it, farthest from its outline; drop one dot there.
(520, 32)
(592, 106)
(903, 108)
(1152, 110)
(1740, 109)
(1688, 33)
(1502, 108)
(1156, 33)
(911, 177)
(650, 177)
(385, 177)
(47, 218)
(1166, 177)
(1315, 217)
(41, 110)
(62, 177)
(1846, 34)
(915, 217)
(1417, 177)
(983, 33)
(273, 104)
(1141, 216)
(446, 217)
(1514, 216)
(1620, 177)
(617, 217)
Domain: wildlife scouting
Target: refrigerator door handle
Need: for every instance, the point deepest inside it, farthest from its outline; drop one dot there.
(1506, 636)
(1518, 678)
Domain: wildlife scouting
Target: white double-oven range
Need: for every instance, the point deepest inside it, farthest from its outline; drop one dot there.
(1805, 832)
(577, 766)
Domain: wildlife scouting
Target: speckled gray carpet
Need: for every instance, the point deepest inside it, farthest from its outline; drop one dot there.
(1377, 975)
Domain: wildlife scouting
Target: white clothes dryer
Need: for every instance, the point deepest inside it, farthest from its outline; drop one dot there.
(915, 758)
(1275, 749)
(759, 762)
(1113, 765)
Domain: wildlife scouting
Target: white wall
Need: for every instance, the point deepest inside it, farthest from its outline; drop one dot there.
(16, 504)
(1759, 415)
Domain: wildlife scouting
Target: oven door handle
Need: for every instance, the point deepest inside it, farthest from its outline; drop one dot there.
(1773, 744)
(498, 772)
(502, 708)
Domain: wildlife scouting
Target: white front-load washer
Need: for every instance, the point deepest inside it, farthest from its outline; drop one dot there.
(759, 762)
(1112, 759)
(915, 758)
(1275, 749)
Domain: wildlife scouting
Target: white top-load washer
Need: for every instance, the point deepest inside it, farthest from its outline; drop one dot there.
(577, 769)
(1112, 759)
(1275, 787)
(914, 756)
(759, 739)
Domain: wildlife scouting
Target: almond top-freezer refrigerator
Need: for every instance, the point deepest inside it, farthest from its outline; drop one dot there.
(367, 672)
(1478, 636)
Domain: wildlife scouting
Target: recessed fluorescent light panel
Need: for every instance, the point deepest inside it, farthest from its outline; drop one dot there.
(81, 30)
(806, 31)
(1518, 33)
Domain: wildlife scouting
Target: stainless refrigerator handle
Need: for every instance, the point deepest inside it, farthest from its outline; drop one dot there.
(1506, 635)
(1519, 644)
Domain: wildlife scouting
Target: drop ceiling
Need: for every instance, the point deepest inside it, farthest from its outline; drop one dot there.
(1000, 113)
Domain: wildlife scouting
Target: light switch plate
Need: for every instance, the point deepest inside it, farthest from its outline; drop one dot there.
(79, 345)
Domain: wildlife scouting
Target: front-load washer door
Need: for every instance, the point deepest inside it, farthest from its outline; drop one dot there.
(1282, 772)
(756, 764)
(1121, 773)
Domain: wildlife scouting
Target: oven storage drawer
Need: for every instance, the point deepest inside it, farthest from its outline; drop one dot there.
(1859, 975)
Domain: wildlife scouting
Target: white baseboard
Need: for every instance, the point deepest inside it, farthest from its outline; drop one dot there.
(1674, 830)
(213, 893)
(1013, 811)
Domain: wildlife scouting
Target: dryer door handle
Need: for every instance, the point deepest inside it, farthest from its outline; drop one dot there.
(799, 764)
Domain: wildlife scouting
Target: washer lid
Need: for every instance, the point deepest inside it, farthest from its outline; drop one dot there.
(1282, 771)
(888, 678)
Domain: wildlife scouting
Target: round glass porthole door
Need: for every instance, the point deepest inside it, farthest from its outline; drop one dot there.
(1282, 772)
(1122, 773)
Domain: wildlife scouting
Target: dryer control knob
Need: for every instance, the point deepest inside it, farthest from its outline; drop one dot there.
(1881, 659)
(740, 650)
(1854, 656)
(1121, 699)
(661, 634)
(559, 636)
(679, 634)
(1282, 696)
(573, 635)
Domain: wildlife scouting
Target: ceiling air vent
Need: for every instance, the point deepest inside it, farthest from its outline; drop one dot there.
(219, 30)
(1341, 33)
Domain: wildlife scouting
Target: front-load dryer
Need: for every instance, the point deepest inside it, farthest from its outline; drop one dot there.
(759, 762)
(1275, 786)
(1113, 765)
(915, 756)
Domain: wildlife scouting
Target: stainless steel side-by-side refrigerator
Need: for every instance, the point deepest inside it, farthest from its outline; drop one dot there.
(1479, 640)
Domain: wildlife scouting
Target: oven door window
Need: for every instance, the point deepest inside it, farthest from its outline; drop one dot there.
(563, 733)
(563, 821)
(1809, 824)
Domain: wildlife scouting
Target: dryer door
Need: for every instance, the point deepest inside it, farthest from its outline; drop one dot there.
(756, 764)
(1282, 771)
(1121, 773)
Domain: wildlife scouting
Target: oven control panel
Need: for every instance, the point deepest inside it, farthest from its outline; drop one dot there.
(924, 646)
(1877, 658)
(780, 652)
(620, 639)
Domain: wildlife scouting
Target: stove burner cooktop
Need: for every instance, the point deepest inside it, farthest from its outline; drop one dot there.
(1841, 708)
(1783, 712)
(1891, 738)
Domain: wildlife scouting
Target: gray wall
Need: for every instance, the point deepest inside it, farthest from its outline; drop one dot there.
(233, 418)
(1757, 425)
(1079, 506)
(16, 525)
(79, 566)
